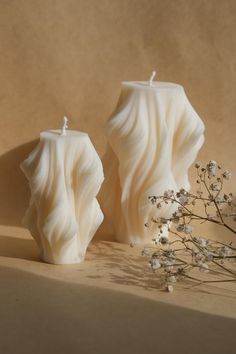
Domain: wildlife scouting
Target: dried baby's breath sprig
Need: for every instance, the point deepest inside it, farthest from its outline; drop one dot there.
(183, 255)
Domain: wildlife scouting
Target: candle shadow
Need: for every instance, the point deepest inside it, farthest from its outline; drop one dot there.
(121, 266)
(14, 189)
(15, 247)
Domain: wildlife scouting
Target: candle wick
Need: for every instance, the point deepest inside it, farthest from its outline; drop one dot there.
(65, 126)
(152, 78)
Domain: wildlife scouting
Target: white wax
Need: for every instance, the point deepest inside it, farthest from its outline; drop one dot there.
(65, 174)
(153, 138)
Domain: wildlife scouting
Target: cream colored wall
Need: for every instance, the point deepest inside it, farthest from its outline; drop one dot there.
(70, 56)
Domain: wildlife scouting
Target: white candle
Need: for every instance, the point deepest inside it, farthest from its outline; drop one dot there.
(65, 174)
(153, 138)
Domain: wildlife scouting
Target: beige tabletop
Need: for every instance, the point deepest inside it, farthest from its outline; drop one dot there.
(112, 297)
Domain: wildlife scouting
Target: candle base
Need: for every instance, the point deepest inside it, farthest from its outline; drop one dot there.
(62, 259)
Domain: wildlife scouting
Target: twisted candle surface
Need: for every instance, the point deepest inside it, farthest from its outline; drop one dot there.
(153, 136)
(65, 174)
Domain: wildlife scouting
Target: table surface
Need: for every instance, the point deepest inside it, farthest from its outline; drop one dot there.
(112, 297)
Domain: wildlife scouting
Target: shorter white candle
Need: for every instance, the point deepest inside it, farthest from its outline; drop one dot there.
(65, 174)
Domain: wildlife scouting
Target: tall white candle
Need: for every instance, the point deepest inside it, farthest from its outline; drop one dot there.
(153, 138)
(65, 174)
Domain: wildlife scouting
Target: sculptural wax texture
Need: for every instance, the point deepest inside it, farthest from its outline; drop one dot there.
(153, 137)
(65, 174)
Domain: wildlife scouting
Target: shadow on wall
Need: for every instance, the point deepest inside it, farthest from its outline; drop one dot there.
(14, 189)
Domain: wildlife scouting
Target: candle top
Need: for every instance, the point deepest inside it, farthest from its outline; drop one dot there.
(154, 85)
(56, 134)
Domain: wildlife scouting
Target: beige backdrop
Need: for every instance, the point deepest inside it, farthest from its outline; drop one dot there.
(69, 57)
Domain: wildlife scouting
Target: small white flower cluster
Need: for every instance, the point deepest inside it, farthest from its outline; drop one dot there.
(203, 254)
(182, 196)
(212, 168)
(199, 252)
(202, 241)
(145, 252)
(168, 194)
(227, 175)
(226, 199)
(165, 260)
(169, 288)
(186, 228)
(203, 267)
(201, 257)
(215, 187)
(154, 263)
(225, 251)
